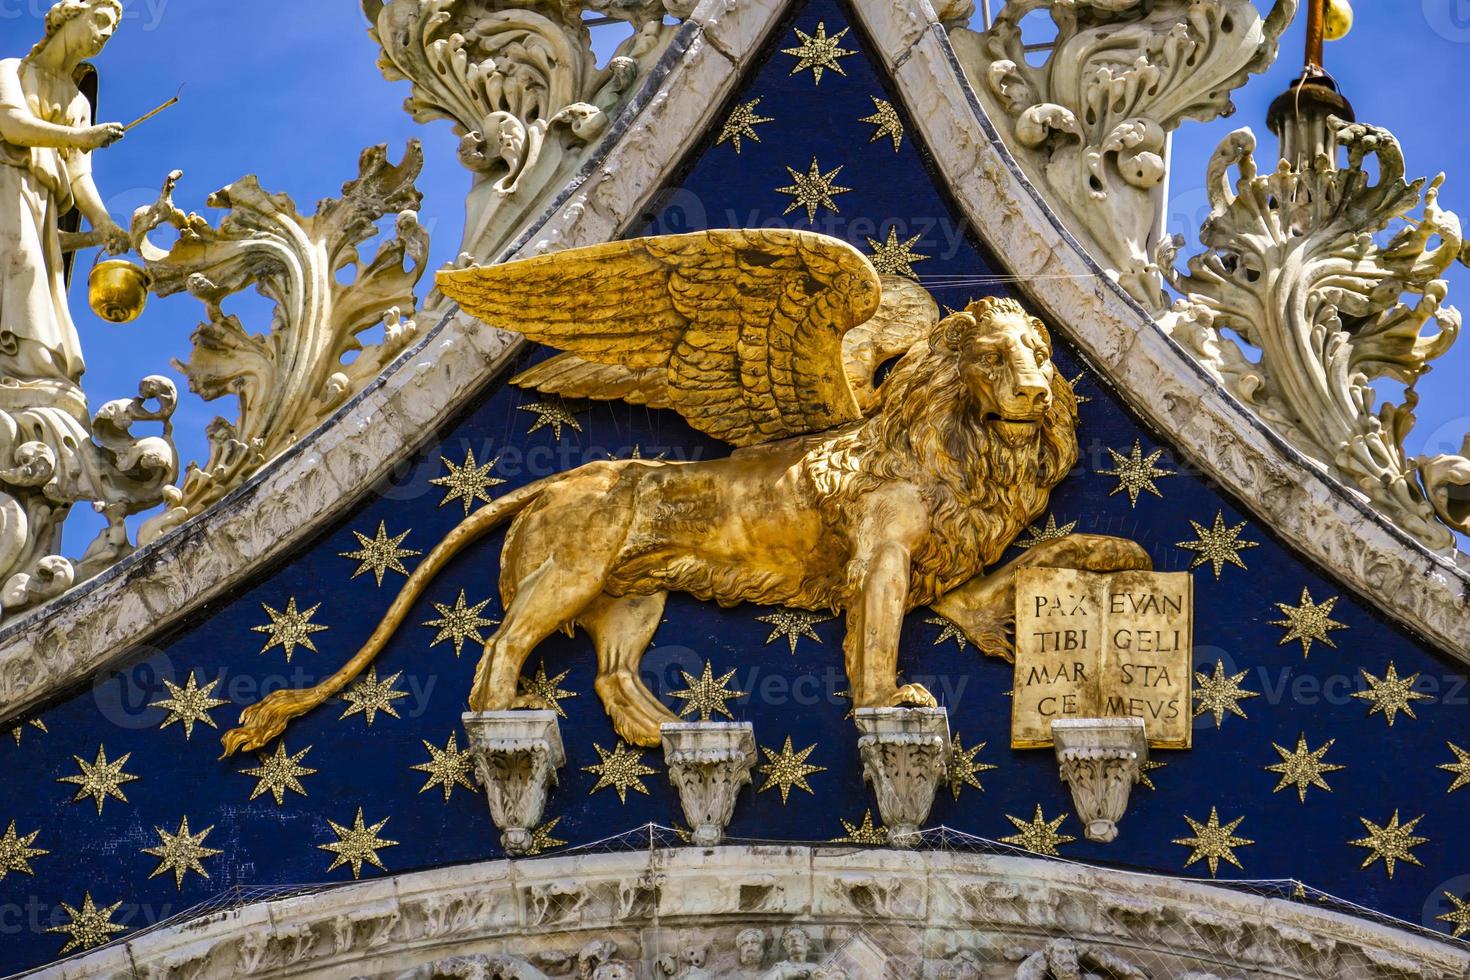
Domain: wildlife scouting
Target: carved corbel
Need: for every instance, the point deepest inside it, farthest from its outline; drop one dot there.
(1093, 121)
(1100, 761)
(517, 754)
(905, 753)
(709, 762)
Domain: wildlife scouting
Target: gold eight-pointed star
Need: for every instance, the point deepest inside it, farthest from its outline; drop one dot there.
(181, 852)
(459, 622)
(1213, 842)
(1040, 835)
(380, 554)
(370, 695)
(545, 690)
(100, 779)
(468, 482)
(812, 190)
(707, 694)
(1308, 621)
(1391, 695)
(1303, 767)
(741, 123)
(16, 852)
(1218, 545)
(90, 926)
(1220, 693)
(1460, 767)
(278, 773)
(553, 415)
(862, 833)
(1051, 532)
(621, 769)
(788, 768)
(792, 624)
(887, 121)
(964, 767)
(1135, 472)
(818, 52)
(947, 631)
(1392, 842)
(893, 257)
(290, 628)
(447, 767)
(189, 704)
(357, 844)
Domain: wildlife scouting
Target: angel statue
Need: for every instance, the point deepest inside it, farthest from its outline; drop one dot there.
(46, 141)
(839, 495)
(48, 456)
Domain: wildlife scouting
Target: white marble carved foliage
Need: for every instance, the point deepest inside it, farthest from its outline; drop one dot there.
(520, 84)
(1091, 121)
(1332, 283)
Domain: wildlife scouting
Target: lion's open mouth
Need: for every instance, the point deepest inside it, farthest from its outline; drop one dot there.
(1013, 431)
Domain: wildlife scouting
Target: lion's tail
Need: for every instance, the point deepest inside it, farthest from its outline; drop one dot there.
(267, 719)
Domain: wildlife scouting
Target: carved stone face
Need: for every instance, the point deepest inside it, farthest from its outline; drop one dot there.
(694, 955)
(1006, 365)
(750, 947)
(796, 944)
(87, 34)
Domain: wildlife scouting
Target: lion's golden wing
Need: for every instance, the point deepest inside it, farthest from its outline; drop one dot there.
(746, 325)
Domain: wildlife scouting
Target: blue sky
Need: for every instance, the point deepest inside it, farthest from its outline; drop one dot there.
(290, 91)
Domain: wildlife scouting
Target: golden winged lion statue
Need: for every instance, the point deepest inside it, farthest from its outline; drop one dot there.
(840, 495)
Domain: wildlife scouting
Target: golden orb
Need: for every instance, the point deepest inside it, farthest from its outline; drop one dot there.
(1338, 21)
(117, 291)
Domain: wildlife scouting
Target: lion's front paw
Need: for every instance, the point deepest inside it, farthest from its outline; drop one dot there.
(533, 701)
(912, 696)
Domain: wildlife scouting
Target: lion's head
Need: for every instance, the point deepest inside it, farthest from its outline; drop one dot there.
(977, 415)
(1004, 358)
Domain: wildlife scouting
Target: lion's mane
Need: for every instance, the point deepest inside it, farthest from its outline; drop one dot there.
(927, 431)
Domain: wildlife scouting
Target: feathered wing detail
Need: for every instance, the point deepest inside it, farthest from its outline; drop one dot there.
(745, 327)
(570, 376)
(906, 316)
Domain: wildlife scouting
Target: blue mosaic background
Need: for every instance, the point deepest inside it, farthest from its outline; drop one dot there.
(796, 695)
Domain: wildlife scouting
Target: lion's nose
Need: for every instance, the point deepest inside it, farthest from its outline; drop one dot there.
(1034, 393)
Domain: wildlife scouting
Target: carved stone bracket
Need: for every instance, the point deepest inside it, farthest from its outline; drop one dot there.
(709, 762)
(1093, 120)
(905, 754)
(517, 754)
(1100, 759)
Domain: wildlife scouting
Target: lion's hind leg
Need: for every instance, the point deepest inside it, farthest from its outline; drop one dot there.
(621, 628)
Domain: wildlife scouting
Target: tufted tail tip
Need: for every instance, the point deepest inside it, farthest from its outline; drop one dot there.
(263, 722)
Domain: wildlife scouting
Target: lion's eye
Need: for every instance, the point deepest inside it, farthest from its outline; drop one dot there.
(990, 359)
(1040, 357)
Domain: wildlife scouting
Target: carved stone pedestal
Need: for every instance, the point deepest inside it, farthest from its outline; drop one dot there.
(708, 763)
(905, 756)
(1100, 759)
(517, 754)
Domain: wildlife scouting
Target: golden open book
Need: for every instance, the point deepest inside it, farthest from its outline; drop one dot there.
(1103, 646)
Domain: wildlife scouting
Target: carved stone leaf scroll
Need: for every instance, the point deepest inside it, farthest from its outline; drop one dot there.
(520, 84)
(1093, 120)
(1336, 284)
(310, 358)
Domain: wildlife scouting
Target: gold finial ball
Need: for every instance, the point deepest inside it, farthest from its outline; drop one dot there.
(117, 291)
(1339, 20)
